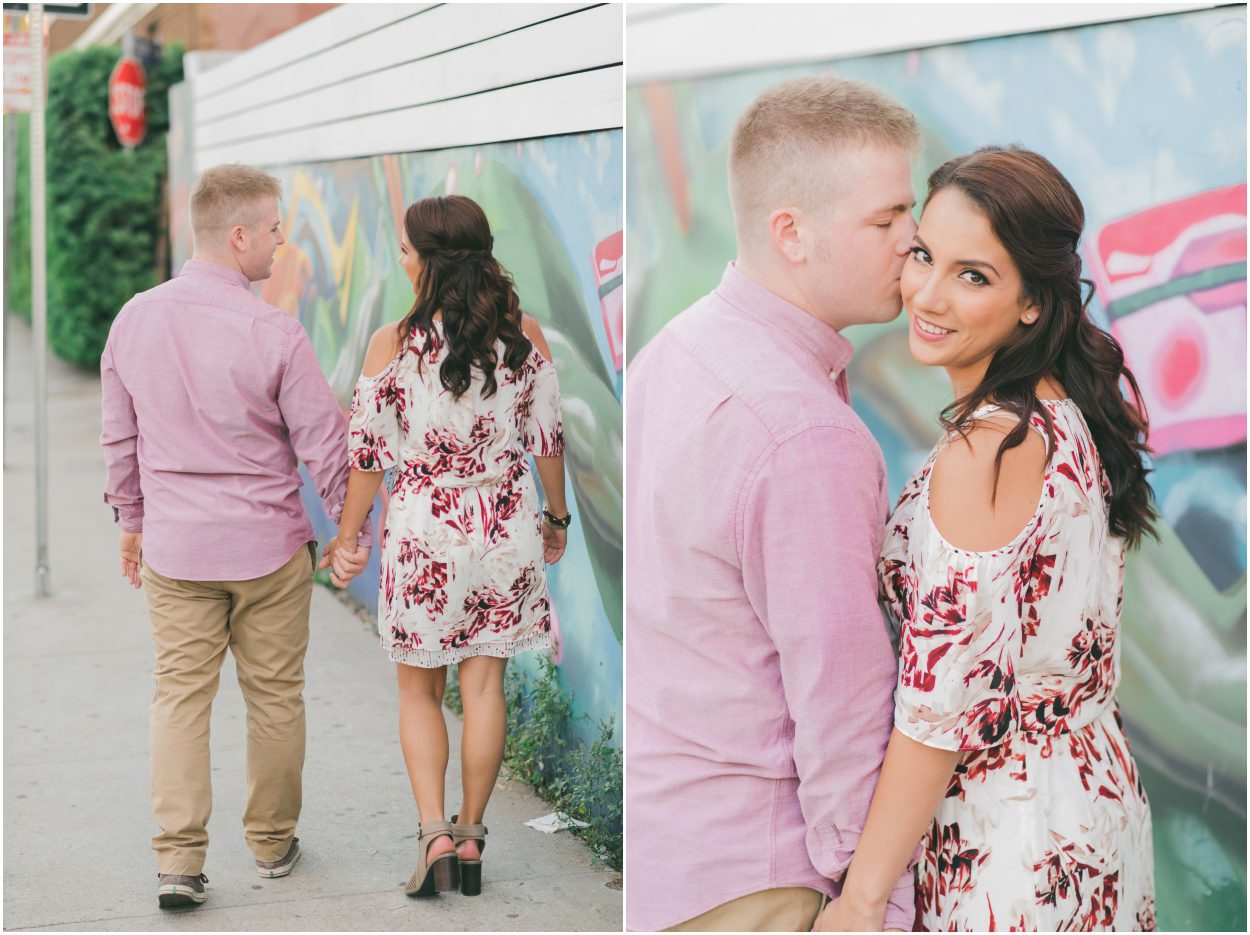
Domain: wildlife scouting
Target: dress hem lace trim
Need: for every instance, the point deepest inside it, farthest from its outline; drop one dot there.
(433, 658)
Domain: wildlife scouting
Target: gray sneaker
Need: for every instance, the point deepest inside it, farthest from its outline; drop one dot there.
(279, 868)
(176, 889)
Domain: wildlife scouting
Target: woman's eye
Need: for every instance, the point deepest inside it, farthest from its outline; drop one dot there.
(973, 277)
(883, 227)
(920, 255)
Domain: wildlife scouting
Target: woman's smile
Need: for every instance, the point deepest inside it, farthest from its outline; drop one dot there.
(927, 330)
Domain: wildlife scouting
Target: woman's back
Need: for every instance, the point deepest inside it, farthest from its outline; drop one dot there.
(471, 440)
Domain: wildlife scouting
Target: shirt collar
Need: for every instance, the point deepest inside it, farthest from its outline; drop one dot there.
(830, 348)
(216, 271)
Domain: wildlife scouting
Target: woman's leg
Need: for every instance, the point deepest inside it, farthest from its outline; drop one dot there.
(423, 738)
(481, 748)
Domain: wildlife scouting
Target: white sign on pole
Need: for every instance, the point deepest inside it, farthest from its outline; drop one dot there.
(17, 65)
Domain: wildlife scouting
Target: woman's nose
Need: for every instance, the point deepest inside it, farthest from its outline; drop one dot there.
(928, 297)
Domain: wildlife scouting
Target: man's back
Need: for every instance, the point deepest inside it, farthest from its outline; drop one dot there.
(756, 497)
(223, 391)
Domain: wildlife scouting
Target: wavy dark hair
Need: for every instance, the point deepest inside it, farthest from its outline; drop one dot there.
(461, 278)
(1038, 218)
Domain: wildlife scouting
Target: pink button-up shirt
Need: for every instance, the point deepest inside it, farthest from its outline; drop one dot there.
(210, 400)
(759, 673)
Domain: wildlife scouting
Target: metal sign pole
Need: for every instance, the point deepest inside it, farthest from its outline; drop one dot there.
(39, 296)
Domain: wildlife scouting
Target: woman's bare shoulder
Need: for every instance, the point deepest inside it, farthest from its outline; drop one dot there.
(968, 509)
(530, 326)
(384, 347)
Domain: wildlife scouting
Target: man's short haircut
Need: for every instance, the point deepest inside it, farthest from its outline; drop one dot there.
(782, 144)
(228, 195)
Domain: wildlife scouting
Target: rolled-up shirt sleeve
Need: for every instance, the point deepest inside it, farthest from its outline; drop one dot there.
(812, 524)
(318, 428)
(119, 436)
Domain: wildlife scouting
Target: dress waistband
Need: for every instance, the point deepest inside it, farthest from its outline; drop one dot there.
(423, 474)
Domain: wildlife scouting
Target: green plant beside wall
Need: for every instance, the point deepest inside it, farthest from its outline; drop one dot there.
(106, 205)
(17, 243)
(582, 783)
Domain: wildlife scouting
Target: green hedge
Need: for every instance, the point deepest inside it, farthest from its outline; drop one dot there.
(106, 210)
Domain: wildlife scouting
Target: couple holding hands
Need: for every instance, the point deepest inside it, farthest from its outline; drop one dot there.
(960, 764)
(212, 398)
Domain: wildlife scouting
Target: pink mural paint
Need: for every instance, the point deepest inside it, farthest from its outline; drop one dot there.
(1172, 279)
(394, 191)
(667, 131)
(610, 281)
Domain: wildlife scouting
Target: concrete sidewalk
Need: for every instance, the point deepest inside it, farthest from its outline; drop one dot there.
(77, 683)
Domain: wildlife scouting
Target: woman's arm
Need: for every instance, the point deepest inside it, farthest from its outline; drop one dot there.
(912, 782)
(550, 470)
(362, 486)
(551, 476)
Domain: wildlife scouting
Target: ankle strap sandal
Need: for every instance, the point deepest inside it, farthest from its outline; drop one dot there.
(470, 870)
(442, 874)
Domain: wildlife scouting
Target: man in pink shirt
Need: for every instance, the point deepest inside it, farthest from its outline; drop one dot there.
(210, 400)
(760, 676)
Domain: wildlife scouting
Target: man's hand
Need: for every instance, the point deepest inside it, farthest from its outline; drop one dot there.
(554, 541)
(345, 564)
(130, 545)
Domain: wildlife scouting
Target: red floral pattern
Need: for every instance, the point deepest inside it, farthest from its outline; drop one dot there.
(462, 559)
(1013, 657)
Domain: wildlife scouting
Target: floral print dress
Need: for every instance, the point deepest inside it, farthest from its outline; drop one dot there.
(1014, 656)
(462, 554)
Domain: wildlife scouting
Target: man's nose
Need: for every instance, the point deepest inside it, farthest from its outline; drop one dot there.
(907, 230)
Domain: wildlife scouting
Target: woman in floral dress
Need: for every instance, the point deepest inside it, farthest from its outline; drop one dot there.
(1003, 571)
(453, 397)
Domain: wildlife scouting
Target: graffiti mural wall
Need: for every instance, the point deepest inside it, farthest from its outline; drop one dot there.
(1147, 118)
(554, 207)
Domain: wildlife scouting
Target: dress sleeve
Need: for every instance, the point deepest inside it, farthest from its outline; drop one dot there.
(544, 431)
(959, 650)
(377, 409)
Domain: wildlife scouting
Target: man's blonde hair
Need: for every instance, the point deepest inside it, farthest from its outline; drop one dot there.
(228, 195)
(783, 142)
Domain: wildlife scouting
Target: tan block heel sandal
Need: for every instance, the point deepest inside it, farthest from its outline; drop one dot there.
(441, 875)
(470, 870)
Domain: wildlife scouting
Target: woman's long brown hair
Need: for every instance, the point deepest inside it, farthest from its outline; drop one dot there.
(1036, 215)
(461, 278)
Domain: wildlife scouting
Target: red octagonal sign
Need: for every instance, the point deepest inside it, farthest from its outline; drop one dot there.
(127, 109)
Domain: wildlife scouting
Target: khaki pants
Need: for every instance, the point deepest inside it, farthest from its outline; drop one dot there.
(786, 909)
(264, 622)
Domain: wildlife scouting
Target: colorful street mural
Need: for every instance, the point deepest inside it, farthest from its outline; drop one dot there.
(554, 207)
(1147, 118)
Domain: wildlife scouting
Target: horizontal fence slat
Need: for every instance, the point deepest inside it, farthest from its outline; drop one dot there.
(572, 104)
(570, 44)
(431, 33)
(317, 34)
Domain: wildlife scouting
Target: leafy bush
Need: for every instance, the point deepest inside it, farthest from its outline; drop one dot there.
(106, 210)
(586, 784)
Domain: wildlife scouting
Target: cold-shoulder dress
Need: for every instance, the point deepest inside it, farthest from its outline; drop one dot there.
(462, 554)
(1013, 655)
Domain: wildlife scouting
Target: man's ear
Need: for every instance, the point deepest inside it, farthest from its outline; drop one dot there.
(783, 230)
(238, 237)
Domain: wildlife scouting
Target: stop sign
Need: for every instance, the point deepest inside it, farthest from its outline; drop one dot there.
(127, 110)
